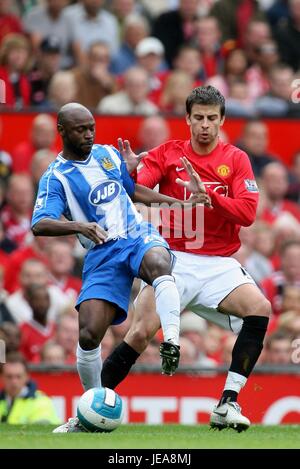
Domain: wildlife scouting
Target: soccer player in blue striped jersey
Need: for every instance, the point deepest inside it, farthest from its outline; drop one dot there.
(90, 186)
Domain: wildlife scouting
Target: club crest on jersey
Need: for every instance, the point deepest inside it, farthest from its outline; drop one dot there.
(223, 170)
(104, 193)
(107, 164)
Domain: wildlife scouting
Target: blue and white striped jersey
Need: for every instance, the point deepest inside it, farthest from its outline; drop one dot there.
(94, 190)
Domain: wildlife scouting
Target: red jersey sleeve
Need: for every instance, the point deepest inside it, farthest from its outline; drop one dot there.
(240, 207)
(153, 168)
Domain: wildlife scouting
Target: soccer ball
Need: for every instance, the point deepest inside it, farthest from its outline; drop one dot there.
(100, 410)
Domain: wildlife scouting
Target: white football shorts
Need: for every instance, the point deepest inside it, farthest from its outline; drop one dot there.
(204, 281)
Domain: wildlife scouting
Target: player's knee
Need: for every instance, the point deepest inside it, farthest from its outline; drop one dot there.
(156, 262)
(88, 339)
(160, 265)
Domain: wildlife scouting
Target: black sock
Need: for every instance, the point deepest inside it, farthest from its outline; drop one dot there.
(117, 365)
(228, 396)
(246, 350)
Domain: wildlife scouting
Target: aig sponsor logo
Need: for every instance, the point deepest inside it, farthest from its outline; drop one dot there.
(104, 193)
(217, 187)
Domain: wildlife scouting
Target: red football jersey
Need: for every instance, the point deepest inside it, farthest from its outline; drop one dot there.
(4, 260)
(33, 337)
(70, 285)
(229, 181)
(9, 24)
(22, 156)
(16, 229)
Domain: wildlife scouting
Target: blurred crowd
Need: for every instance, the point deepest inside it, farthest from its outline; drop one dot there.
(144, 57)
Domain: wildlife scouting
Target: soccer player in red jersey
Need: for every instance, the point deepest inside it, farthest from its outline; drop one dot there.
(209, 281)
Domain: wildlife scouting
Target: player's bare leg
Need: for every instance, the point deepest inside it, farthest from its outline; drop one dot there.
(156, 269)
(247, 302)
(145, 323)
(95, 316)
(144, 326)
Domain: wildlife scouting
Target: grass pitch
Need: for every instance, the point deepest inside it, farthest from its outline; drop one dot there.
(152, 437)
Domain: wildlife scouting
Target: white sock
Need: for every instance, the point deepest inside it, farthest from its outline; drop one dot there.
(234, 382)
(168, 307)
(89, 366)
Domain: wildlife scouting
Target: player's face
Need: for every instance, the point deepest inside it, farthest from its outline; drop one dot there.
(80, 135)
(205, 122)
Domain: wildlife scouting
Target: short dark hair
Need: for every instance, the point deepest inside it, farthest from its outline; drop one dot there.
(207, 95)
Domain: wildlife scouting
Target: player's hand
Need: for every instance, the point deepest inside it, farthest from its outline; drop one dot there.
(200, 198)
(93, 232)
(131, 159)
(194, 185)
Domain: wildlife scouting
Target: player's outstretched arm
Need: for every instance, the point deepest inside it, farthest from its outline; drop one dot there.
(147, 196)
(51, 227)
